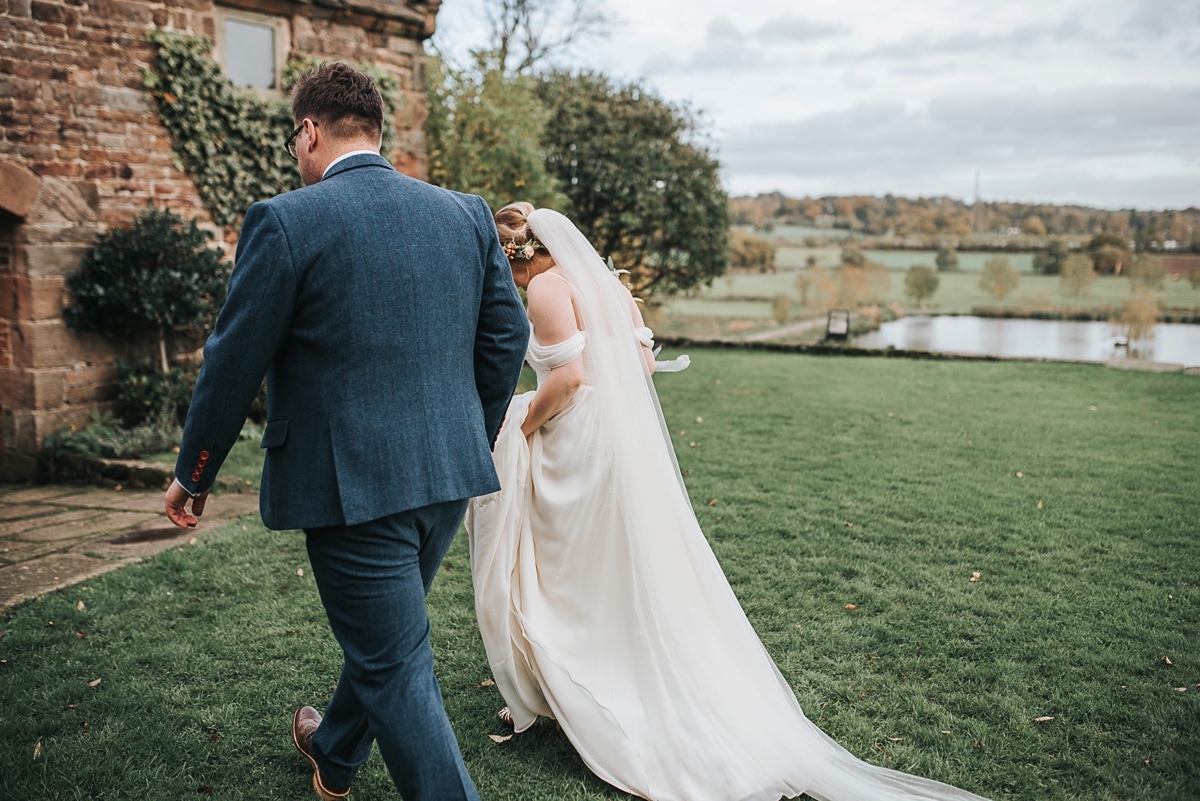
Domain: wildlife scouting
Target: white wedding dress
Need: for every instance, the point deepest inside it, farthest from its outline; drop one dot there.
(602, 606)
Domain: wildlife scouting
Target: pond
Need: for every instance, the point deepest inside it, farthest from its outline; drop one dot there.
(1174, 343)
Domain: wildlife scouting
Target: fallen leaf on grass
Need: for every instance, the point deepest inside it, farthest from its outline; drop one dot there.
(94, 682)
(214, 738)
(1167, 659)
(895, 739)
(713, 502)
(496, 738)
(1043, 719)
(1181, 689)
(847, 524)
(1020, 474)
(945, 732)
(70, 706)
(205, 789)
(851, 607)
(192, 541)
(801, 625)
(890, 414)
(79, 606)
(3, 661)
(487, 683)
(1039, 504)
(1147, 763)
(975, 576)
(878, 747)
(51, 623)
(193, 600)
(699, 419)
(81, 634)
(37, 749)
(300, 571)
(1, 635)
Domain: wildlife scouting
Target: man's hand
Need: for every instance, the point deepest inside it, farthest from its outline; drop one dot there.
(177, 498)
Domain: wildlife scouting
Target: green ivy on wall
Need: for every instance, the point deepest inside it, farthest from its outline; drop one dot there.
(229, 139)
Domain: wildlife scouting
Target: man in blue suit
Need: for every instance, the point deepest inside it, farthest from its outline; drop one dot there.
(383, 314)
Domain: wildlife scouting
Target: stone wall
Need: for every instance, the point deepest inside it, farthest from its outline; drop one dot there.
(82, 148)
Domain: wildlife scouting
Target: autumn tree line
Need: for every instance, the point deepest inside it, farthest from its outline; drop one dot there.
(942, 217)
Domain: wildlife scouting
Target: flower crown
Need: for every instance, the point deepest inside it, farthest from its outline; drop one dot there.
(526, 251)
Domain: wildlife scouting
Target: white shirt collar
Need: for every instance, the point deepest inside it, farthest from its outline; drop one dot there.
(345, 156)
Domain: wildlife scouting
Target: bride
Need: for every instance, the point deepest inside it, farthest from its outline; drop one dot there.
(600, 602)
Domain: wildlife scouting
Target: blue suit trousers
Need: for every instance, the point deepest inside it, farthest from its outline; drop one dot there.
(373, 578)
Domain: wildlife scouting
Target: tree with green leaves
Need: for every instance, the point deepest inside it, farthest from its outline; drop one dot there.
(947, 260)
(920, 283)
(1051, 261)
(1077, 277)
(484, 132)
(643, 185)
(853, 256)
(1000, 278)
(157, 277)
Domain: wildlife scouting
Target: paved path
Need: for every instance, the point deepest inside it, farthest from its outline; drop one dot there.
(787, 330)
(55, 536)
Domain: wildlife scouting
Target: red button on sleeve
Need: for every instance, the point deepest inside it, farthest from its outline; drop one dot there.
(204, 455)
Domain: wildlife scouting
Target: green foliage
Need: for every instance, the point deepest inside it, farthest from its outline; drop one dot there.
(146, 394)
(1051, 261)
(1000, 278)
(1077, 277)
(752, 253)
(1194, 278)
(920, 283)
(1147, 272)
(484, 132)
(228, 138)
(853, 256)
(947, 260)
(157, 276)
(103, 439)
(642, 187)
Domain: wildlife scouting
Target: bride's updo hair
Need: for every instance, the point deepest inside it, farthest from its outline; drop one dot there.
(512, 223)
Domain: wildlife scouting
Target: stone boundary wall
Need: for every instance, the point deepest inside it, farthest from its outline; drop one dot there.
(82, 148)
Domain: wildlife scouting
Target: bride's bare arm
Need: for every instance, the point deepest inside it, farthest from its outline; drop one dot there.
(638, 322)
(553, 316)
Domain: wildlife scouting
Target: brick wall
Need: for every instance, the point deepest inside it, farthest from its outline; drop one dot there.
(78, 131)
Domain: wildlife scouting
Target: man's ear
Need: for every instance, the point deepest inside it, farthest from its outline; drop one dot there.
(314, 139)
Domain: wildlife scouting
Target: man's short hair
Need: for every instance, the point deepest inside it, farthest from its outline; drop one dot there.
(340, 98)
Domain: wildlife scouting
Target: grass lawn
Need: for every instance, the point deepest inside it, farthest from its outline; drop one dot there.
(885, 484)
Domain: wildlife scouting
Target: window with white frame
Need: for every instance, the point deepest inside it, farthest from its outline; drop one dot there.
(252, 48)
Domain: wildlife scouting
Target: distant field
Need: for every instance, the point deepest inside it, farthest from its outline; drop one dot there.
(958, 293)
(787, 258)
(796, 233)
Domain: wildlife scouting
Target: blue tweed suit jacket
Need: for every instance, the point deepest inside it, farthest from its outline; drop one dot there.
(383, 313)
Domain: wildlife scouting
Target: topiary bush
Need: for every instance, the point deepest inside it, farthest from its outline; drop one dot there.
(158, 277)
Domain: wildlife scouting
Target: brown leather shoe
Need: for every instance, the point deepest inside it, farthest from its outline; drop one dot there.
(304, 726)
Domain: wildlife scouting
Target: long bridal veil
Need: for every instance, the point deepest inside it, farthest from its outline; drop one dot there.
(657, 676)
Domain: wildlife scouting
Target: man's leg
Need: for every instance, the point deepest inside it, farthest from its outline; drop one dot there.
(372, 579)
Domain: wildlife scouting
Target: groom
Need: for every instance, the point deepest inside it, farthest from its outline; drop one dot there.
(383, 313)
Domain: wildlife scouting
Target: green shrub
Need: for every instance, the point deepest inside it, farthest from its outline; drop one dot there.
(103, 439)
(146, 394)
(157, 277)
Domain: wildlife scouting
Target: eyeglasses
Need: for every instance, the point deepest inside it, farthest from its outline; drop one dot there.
(290, 144)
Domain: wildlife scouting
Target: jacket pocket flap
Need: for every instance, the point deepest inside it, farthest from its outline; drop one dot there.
(275, 434)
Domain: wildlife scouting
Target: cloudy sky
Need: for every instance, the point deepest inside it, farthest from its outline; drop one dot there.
(1092, 102)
